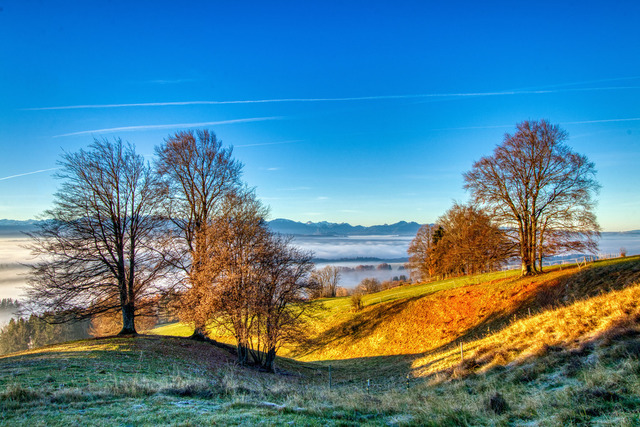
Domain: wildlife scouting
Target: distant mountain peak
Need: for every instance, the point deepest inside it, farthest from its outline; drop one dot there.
(325, 228)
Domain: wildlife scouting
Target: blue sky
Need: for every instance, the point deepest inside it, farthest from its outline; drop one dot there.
(362, 112)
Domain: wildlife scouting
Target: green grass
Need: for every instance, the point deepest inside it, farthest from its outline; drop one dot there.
(343, 304)
(173, 330)
(170, 381)
(573, 364)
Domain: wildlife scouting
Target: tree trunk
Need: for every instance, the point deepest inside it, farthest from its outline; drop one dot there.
(270, 360)
(527, 269)
(243, 353)
(525, 252)
(128, 320)
(199, 333)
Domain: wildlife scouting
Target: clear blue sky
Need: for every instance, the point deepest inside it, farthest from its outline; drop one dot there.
(363, 112)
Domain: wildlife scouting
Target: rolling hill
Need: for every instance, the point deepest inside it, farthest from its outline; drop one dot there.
(560, 348)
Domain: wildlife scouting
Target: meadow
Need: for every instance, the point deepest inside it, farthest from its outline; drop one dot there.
(560, 348)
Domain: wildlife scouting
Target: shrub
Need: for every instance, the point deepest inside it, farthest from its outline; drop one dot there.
(342, 292)
(356, 301)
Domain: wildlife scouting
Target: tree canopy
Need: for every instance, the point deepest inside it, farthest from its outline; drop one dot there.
(462, 241)
(540, 190)
(198, 174)
(97, 251)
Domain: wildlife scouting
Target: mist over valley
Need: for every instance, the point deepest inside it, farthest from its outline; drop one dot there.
(341, 245)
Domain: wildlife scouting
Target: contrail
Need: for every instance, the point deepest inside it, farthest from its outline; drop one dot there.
(175, 125)
(27, 173)
(355, 98)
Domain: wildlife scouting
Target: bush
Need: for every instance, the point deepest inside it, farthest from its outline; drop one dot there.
(342, 292)
(356, 301)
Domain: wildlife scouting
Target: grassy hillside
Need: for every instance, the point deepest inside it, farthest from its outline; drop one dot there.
(436, 316)
(557, 349)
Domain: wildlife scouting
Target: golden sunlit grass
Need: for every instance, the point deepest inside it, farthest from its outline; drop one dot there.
(422, 318)
(173, 330)
(434, 317)
(569, 328)
(555, 349)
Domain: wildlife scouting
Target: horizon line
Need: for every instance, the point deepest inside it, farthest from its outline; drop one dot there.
(328, 222)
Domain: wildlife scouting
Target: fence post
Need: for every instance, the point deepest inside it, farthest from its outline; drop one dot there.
(330, 377)
(368, 385)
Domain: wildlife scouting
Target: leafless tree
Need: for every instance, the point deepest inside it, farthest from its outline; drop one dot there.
(326, 280)
(540, 189)
(198, 173)
(421, 263)
(97, 250)
(369, 285)
(257, 281)
(281, 299)
(238, 243)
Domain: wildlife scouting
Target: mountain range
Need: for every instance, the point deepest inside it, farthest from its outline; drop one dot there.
(284, 226)
(324, 228)
(287, 226)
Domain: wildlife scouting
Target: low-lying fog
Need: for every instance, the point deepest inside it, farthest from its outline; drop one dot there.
(12, 272)
(347, 251)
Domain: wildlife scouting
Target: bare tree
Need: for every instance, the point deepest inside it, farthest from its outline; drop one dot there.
(199, 173)
(239, 242)
(369, 285)
(257, 281)
(326, 280)
(421, 262)
(281, 299)
(97, 250)
(540, 189)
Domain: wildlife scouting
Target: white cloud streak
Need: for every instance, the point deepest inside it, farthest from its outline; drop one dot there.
(27, 173)
(169, 126)
(355, 98)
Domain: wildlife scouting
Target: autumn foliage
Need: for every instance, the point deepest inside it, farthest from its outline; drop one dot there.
(463, 241)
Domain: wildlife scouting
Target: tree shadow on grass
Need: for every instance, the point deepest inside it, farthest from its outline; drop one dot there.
(362, 324)
(514, 300)
(564, 289)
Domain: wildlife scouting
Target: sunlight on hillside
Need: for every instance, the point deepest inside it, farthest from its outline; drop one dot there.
(173, 329)
(498, 317)
(570, 328)
(427, 322)
(561, 349)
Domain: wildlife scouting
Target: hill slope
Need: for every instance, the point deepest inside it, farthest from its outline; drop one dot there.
(456, 310)
(560, 348)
